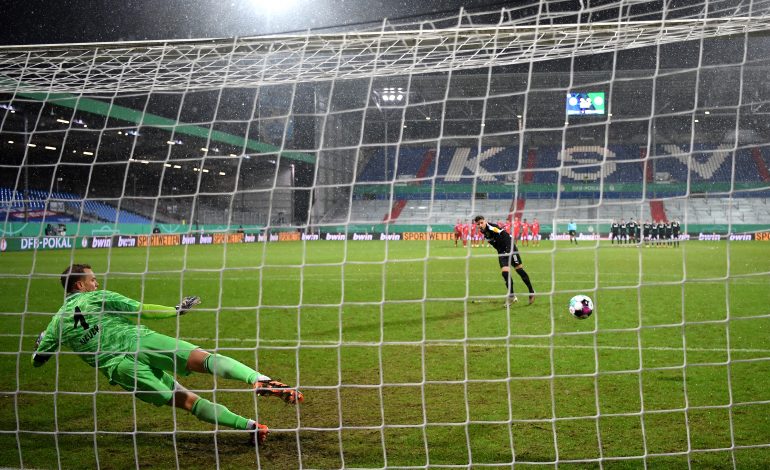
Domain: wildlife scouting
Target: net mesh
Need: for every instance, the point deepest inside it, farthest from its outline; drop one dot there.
(468, 41)
(317, 191)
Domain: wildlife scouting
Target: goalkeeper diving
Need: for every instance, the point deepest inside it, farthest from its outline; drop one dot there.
(100, 326)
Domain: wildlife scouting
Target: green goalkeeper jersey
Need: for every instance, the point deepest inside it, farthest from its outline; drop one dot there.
(100, 326)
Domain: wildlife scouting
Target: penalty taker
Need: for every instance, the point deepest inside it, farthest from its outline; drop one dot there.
(508, 256)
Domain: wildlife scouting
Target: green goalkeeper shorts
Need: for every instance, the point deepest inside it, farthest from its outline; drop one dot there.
(147, 372)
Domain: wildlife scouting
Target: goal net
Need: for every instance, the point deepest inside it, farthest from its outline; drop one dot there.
(318, 192)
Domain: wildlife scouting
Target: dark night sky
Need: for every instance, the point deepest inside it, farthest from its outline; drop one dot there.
(68, 21)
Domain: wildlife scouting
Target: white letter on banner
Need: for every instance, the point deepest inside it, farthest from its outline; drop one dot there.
(707, 168)
(607, 167)
(460, 162)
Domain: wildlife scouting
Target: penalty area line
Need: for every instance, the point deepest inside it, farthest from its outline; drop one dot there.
(492, 343)
(497, 343)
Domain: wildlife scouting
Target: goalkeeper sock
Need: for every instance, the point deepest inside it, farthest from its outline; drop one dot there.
(229, 368)
(508, 282)
(215, 413)
(525, 277)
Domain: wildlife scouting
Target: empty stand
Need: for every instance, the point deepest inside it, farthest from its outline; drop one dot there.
(11, 200)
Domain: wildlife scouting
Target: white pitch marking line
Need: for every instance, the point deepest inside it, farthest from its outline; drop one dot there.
(496, 343)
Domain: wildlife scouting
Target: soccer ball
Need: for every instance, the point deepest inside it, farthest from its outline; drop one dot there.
(581, 306)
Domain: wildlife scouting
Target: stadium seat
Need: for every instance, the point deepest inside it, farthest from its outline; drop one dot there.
(39, 200)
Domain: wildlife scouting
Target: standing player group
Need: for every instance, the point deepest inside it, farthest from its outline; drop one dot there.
(655, 233)
(468, 234)
(520, 231)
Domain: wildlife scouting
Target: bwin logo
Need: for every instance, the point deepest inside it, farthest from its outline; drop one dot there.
(101, 242)
(126, 242)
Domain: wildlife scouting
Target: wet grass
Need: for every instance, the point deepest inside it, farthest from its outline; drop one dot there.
(401, 368)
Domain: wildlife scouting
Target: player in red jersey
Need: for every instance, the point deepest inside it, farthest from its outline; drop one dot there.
(535, 233)
(466, 228)
(458, 231)
(474, 236)
(525, 233)
(516, 229)
(507, 226)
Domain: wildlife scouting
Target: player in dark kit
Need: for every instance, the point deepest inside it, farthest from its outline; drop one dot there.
(638, 235)
(654, 233)
(661, 232)
(508, 256)
(669, 231)
(614, 232)
(623, 231)
(675, 232)
(631, 227)
(646, 233)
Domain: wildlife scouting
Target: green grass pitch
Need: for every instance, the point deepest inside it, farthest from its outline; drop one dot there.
(400, 369)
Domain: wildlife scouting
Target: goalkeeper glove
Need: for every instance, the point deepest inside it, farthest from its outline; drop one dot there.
(37, 358)
(187, 303)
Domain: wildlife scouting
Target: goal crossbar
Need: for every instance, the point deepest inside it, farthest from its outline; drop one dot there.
(91, 68)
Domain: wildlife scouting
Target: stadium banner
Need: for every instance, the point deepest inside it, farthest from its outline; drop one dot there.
(158, 240)
(39, 243)
(366, 237)
(708, 237)
(270, 237)
(173, 239)
(448, 236)
(8, 244)
(337, 237)
(356, 236)
(36, 229)
(731, 237)
(97, 242)
(390, 237)
(220, 238)
(580, 236)
(288, 236)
